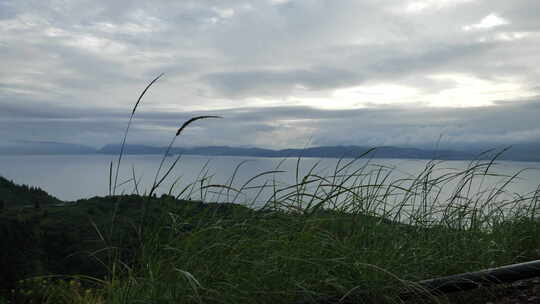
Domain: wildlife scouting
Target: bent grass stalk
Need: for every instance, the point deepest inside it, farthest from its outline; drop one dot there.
(156, 183)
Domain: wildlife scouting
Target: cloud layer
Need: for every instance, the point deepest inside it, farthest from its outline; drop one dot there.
(283, 73)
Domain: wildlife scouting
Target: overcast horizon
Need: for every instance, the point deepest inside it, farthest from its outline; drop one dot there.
(283, 74)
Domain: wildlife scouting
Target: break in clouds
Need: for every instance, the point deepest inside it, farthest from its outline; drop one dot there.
(458, 73)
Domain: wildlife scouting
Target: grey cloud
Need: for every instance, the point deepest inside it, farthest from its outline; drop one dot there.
(17, 108)
(479, 127)
(293, 126)
(269, 82)
(51, 89)
(294, 34)
(426, 60)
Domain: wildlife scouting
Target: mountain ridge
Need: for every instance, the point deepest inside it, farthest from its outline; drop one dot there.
(322, 152)
(518, 152)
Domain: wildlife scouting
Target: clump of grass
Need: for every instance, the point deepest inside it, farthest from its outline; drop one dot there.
(354, 234)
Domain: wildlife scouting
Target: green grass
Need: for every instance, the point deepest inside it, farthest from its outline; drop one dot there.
(350, 234)
(354, 234)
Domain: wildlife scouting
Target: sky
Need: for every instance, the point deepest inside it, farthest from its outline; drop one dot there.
(283, 74)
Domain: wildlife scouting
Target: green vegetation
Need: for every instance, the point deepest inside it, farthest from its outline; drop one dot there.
(12, 195)
(186, 251)
(354, 235)
(74, 239)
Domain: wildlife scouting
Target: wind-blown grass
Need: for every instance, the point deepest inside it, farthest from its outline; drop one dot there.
(353, 234)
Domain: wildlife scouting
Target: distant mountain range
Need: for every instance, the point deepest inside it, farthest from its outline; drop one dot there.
(328, 151)
(520, 152)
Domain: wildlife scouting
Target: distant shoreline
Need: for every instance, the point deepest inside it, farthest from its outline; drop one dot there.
(346, 152)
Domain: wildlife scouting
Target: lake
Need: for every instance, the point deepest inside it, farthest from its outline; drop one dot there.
(72, 177)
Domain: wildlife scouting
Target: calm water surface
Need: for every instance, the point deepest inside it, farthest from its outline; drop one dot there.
(71, 177)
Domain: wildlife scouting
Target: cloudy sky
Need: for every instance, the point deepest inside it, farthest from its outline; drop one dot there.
(295, 73)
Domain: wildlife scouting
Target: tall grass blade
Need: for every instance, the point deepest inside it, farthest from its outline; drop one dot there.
(127, 130)
(135, 183)
(110, 177)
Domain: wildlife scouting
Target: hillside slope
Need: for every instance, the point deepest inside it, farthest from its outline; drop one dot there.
(13, 195)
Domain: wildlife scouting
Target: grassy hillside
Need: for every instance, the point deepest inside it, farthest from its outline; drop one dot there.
(76, 238)
(163, 250)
